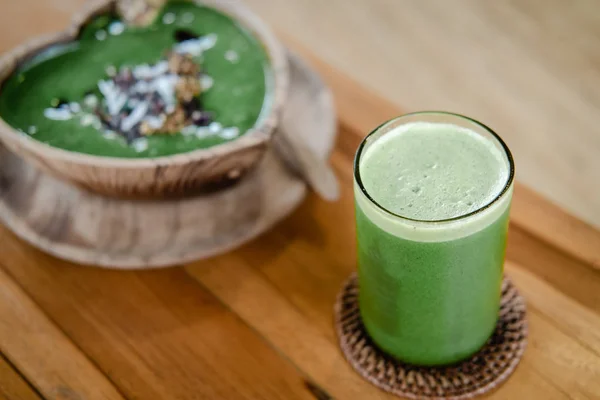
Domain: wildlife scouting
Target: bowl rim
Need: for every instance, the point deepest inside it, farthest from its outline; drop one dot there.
(255, 136)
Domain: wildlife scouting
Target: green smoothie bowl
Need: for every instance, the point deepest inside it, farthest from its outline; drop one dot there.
(146, 98)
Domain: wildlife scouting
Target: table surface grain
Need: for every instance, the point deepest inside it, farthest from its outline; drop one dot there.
(257, 323)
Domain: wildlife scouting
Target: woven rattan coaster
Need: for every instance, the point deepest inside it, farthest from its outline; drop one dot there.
(480, 374)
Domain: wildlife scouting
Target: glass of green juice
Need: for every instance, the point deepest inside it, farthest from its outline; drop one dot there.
(432, 195)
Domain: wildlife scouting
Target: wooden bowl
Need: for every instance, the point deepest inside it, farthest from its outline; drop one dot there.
(160, 176)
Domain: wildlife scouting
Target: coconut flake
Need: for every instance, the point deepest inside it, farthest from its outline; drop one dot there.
(206, 82)
(208, 41)
(74, 107)
(90, 101)
(189, 130)
(146, 71)
(142, 87)
(110, 135)
(100, 35)
(168, 18)
(187, 18)
(165, 86)
(131, 103)
(155, 122)
(116, 28)
(135, 117)
(111, 70)
(215, 127)
(115, 99)
(203, 132)
(232, 56)
(230, 133)
(140, 144)
(58, 114)
(195, 47)
(88, 119)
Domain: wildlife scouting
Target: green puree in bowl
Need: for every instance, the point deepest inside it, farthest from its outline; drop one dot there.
(237, 64)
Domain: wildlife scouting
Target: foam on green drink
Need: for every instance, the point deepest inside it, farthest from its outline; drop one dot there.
(432, 171)
(432, 201)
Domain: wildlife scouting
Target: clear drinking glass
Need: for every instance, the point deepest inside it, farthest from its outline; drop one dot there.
(430, 290)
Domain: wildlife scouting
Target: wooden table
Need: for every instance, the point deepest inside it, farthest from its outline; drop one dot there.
(257, 323)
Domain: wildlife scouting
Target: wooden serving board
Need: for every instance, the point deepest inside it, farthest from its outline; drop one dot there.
(256, 323)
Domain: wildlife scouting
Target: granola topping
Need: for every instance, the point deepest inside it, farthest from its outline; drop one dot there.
(150, 99)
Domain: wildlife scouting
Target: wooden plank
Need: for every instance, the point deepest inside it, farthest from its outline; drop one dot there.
(566, 314)
(260, 304)
(12, 385)
(560, 359)
(51, 362)
(571, 276)
(156, 334)
(362, 110)
(553, 225)
(564, 335)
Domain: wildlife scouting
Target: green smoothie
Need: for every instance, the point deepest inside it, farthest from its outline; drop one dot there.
(235, 78)
(433, 193)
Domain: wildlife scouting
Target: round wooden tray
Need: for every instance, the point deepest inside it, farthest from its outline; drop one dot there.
(80, 226)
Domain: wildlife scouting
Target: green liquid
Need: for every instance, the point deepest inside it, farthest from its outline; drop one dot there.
(69, 71)
(430, 291)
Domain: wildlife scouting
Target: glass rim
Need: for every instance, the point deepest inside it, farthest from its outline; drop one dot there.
(505, 189)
